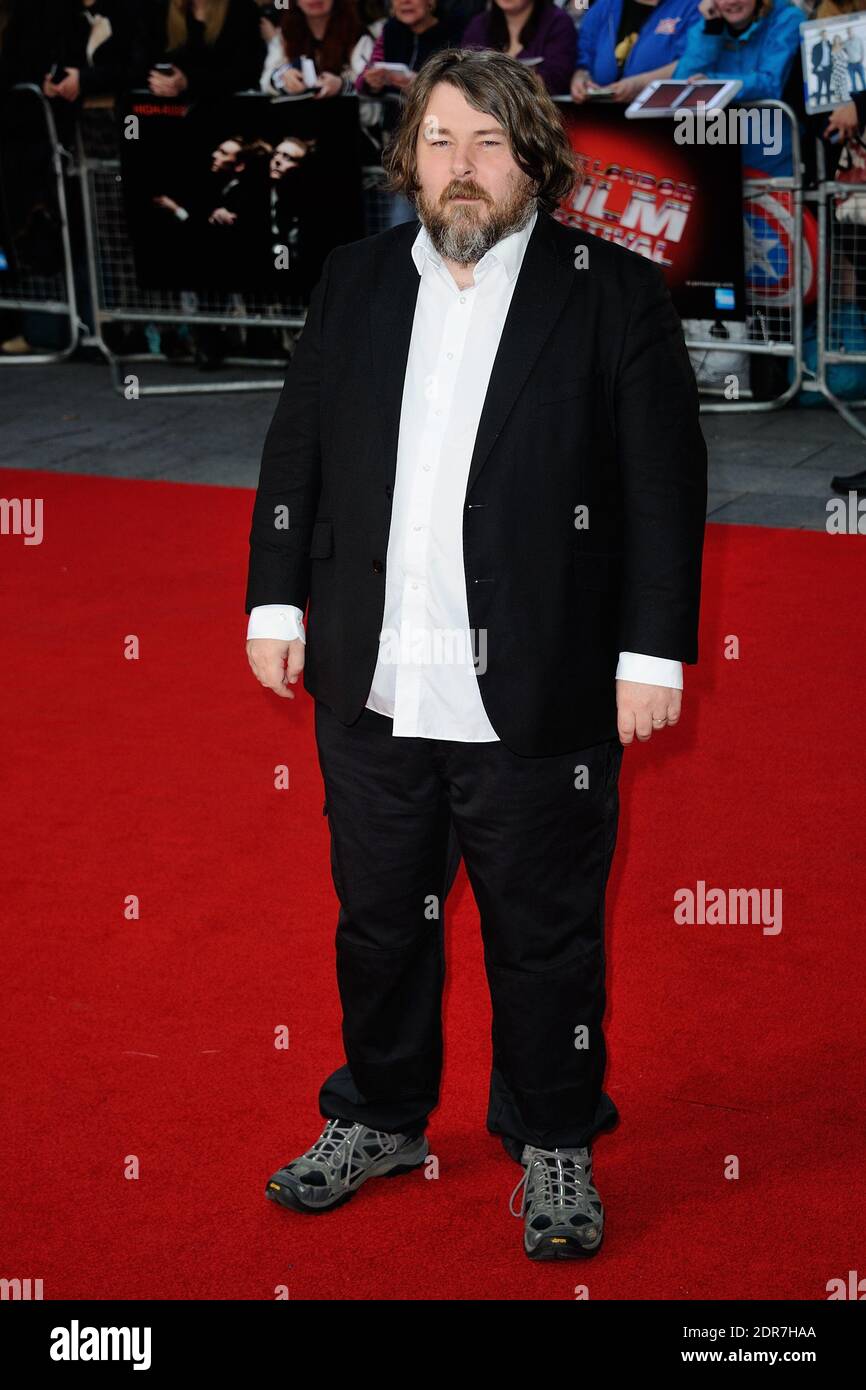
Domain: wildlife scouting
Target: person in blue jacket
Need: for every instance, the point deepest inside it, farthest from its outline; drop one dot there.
(626, 44)
(758, 42)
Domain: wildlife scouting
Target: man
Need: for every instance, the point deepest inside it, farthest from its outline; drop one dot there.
(291, 199)
(822, 65)
(487, 470)
(854, 58)
(227, 163)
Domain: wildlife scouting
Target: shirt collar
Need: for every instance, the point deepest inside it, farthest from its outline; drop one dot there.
(508, 252)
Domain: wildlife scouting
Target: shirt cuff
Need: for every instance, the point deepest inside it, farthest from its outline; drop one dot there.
(280, 621)
(650, 670)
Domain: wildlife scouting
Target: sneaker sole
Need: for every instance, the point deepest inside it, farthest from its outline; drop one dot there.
(562, 1248)
(285, 1196)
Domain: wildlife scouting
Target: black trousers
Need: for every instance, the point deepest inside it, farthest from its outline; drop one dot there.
(537, 836)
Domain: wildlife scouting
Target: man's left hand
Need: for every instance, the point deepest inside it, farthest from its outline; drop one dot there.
(644, 709)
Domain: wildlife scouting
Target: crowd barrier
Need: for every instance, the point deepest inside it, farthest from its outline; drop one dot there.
(841, 332)
(54, 292)
(774, 321)
(773, 326)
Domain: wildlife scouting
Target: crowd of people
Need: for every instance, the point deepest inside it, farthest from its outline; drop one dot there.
(75, 49)
(194, 50)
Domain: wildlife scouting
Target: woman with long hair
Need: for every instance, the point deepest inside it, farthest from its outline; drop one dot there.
(203, 48)
(840, 87)
(325, 31)
(535, 31)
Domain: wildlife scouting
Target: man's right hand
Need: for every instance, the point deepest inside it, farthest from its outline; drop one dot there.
(276, 664)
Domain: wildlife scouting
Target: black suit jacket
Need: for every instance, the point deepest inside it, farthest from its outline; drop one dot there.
(591, 403)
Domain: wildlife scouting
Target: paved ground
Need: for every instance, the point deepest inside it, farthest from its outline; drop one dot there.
(769, 469)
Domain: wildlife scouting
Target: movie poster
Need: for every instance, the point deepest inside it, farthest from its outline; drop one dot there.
(679, 205)
(247, 195)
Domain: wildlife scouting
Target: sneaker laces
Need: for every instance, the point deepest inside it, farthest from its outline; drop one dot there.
(559, 1188)
(326, 1152)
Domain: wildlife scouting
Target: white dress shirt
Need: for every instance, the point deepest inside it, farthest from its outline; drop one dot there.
(425, 677)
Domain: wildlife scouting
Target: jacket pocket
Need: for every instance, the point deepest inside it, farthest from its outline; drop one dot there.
(322, 540)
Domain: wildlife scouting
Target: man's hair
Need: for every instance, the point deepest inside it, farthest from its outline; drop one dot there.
(501, 87)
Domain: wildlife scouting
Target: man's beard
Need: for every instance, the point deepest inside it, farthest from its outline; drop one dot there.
(464, 232)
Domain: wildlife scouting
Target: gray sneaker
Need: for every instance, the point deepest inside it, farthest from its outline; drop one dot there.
(564, 1214)
(345, 1155)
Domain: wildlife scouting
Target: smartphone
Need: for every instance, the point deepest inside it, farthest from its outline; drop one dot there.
(57, 73)
(167, 68)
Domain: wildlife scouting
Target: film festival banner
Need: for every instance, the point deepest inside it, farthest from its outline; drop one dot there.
(247, 195)
(679, 205)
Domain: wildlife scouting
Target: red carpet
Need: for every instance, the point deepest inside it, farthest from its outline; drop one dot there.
(152, 1041)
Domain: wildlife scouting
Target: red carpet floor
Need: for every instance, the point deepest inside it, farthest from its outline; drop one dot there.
(151, 1042)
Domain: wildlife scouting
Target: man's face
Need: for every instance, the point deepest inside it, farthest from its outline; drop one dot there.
(472, 192)
(225, 156)
(286, 156)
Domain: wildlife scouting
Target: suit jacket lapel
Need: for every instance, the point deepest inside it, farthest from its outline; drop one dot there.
(545, 279)
(393, 295)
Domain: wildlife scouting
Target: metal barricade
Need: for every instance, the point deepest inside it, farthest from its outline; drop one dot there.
(841, 338)
(26, 290)
(774, 320)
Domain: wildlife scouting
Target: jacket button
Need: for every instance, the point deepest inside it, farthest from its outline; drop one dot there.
(378, 567)
(388, 491)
